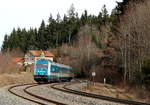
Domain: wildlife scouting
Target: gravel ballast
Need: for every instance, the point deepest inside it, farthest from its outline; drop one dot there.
(45, 91)
(7, 98)
(67, 98)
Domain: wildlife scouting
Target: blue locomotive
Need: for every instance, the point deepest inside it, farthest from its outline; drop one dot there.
(48, 71)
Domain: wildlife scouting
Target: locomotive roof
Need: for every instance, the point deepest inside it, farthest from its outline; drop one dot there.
(62, 65)
(57, 64)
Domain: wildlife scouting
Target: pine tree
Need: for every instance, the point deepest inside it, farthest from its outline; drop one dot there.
(84, 18)
(5, 44)
(55, 33)
(42, 36)
(105, 15)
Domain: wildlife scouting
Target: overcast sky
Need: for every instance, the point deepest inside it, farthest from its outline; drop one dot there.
(29, 13)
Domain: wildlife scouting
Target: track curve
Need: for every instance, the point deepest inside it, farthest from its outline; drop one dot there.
(45, 99)
(33, 95)
(123, 101)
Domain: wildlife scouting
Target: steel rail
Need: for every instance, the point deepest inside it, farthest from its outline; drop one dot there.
(32, 100)
(37, 96)
(117, 100)
(10, 90)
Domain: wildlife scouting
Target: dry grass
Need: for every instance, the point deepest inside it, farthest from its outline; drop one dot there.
(6, 65)
(11, 73)
(9, 79)
(109, 90)
(141, 94)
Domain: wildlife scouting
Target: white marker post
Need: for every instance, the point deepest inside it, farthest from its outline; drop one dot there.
(93, 75)
(104, 81)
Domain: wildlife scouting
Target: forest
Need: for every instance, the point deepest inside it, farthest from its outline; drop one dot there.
(114, 45)
(57, 32)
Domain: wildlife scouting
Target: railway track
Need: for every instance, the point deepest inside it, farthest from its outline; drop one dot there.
(122, 101)
(35, 98)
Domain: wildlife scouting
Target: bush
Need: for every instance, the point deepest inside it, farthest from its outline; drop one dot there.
(6, 65)
(146, 72)
(142, 78)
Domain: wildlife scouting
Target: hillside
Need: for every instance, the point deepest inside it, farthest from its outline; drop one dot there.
(115, 46)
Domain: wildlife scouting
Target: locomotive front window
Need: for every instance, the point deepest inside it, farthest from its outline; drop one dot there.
(42, 65)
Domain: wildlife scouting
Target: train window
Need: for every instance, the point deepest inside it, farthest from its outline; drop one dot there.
(53, 70)
(57, 69)
(60, 69)
(64, 70)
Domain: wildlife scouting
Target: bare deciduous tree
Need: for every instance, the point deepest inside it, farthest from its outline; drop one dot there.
(134, 37)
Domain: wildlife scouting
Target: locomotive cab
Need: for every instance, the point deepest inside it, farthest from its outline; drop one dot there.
(41, 70)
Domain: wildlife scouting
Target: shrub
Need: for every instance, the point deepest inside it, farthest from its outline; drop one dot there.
(146, 72)
(6, 65)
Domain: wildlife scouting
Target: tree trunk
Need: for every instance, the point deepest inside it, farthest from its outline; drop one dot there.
(125, 59)
(69, 38)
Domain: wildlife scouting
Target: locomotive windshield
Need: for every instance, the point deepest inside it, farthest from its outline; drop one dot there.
(42, 63)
